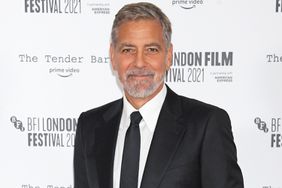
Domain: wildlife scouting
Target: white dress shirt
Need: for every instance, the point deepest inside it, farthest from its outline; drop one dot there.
(150, 113)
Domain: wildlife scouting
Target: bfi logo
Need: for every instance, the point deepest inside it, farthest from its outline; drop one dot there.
(278, 5)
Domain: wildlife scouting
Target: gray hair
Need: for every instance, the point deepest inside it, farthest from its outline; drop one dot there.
(138, 11)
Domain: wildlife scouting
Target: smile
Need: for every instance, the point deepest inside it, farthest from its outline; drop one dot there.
(140, 76)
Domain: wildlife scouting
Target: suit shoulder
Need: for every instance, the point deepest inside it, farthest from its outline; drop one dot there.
(99, 111)
(199, 107)
(200, 114)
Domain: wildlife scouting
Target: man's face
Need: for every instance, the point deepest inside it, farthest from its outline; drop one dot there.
(140, 57)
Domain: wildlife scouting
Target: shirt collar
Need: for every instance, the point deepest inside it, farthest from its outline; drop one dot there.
(149, 111)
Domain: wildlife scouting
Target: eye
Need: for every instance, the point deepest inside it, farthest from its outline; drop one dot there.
(152, 50)
(128, 50)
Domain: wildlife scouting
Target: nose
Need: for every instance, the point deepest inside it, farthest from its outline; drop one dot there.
(140, 60)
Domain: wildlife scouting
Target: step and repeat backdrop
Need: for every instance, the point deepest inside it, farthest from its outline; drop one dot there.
(55, 64)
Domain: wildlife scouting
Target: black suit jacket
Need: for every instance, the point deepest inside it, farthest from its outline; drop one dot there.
(192, 147)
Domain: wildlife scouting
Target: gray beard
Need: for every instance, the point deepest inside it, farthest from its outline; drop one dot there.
(135, 89)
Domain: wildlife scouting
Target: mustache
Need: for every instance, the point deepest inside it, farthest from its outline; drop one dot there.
(139, 72)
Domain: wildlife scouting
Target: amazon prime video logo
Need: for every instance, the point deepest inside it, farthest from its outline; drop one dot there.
(187, 4)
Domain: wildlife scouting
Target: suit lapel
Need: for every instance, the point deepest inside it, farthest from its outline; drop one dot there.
(167, 136)
(105, 142)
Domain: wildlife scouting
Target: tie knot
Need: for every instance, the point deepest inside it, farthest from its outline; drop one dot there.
(135, 117)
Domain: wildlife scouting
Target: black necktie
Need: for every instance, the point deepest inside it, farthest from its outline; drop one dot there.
(131, 152)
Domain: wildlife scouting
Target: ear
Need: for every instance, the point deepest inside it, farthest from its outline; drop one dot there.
(112, 56)
(169, 57)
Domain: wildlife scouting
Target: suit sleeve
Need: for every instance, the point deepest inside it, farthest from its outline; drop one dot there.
(219, 168)
(80, 175)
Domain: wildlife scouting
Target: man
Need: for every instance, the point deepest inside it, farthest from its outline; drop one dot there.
(176, 142)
